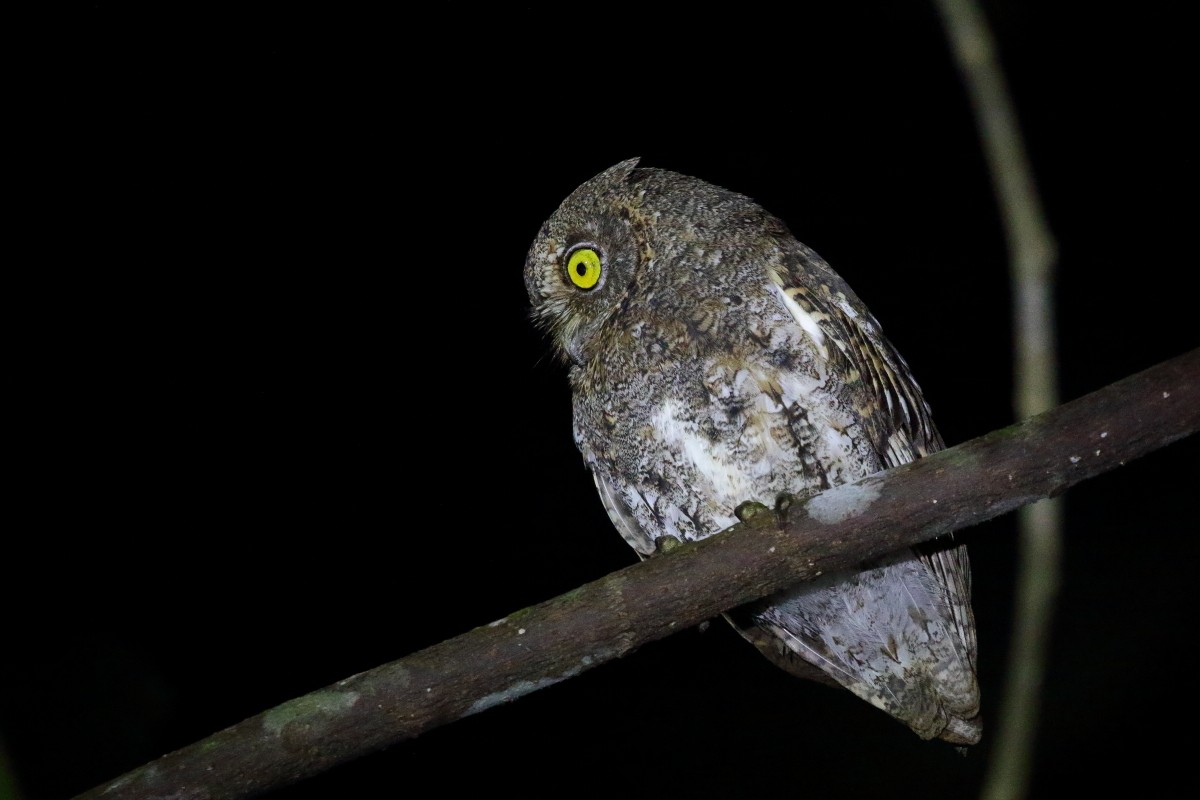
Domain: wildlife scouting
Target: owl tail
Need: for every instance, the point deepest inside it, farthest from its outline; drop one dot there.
(895, 634)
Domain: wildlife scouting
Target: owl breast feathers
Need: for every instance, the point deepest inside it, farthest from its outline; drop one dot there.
(716, 360)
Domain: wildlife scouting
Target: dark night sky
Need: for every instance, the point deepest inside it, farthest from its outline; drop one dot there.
(293, 421)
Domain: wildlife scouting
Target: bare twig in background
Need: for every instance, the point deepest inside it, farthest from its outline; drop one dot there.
(611, 617)
(1031, 251)
(8, 782)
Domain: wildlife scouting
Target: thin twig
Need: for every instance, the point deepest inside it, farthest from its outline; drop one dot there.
(1031, 251)
(609, 618)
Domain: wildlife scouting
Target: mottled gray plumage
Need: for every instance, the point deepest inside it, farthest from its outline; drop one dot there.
(717, 360)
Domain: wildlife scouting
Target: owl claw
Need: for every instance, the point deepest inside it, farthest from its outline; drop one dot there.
(749, 510)
(665, 544)
(783, 502)
(786, 501)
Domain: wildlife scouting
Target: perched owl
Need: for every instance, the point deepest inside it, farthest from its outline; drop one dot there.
(717, 360)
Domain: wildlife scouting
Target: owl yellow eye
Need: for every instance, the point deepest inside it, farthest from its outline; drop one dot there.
(583, 267)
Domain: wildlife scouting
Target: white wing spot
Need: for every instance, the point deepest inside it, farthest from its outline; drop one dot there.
(804, 320)
(1074, 459)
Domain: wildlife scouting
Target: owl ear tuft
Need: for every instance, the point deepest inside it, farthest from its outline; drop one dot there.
(617, 174)
(613, 179)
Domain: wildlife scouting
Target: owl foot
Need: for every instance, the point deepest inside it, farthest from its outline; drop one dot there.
(749, 510)
(665, 544)
(783, 502)
(787, 501)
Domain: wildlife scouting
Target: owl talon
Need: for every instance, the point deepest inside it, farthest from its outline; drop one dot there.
(783, 502)
(749, 510)
(665, 544)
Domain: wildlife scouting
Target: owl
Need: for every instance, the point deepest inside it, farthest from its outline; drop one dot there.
(716, 360)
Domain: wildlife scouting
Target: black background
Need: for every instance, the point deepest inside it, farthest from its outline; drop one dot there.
(290, 419)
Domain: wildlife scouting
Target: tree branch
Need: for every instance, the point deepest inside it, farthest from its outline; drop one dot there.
(611, 617)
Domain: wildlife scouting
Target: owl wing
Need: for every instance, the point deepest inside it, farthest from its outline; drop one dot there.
(905, 418)
(619, 512)
(903, 428)
(900, 633)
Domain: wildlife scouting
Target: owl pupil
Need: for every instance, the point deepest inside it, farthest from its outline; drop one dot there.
(581, 269)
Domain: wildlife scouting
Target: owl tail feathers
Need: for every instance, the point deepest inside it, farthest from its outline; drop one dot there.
(929, 717)
(963, 731)
(887, 634)
(932, 711)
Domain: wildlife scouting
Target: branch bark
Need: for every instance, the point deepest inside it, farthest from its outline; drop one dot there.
(609, 618)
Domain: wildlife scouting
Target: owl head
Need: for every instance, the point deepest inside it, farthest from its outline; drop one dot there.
(631, 237)
(582, 260)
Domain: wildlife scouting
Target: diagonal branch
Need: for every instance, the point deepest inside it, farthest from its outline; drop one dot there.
(610, 617)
